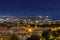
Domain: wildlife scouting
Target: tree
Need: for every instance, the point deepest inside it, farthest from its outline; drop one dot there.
(34, 37)
(28, 38)
(56, 34)
(13, 37)
(48, 35)
(58, 31)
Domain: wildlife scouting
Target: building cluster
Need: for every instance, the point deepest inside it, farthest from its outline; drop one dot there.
(16, 23)
(25, 20)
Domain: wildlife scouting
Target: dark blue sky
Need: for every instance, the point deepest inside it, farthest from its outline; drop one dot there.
(30, 7)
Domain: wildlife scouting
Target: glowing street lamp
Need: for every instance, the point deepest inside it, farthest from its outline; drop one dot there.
(30, 30)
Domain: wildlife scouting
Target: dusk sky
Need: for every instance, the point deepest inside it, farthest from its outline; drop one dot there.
(30, 7)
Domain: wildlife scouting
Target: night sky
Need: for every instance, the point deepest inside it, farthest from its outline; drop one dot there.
(30, 7)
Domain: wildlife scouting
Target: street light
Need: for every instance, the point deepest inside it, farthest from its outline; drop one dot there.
(30, 30)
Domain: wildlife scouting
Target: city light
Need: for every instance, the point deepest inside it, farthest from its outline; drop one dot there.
(24, 27)
(30, 30)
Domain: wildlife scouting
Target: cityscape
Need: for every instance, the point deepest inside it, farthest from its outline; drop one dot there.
(29, 28)
(29, 19)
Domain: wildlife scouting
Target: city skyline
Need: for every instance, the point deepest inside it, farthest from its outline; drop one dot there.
(30, 7)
